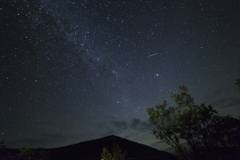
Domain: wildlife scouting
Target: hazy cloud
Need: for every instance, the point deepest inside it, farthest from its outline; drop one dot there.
(139, 125)
(134, 124)
(51, 140)
(120, 125)
(157, 143)
(226, 102)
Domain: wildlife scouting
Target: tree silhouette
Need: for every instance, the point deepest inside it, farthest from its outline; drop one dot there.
(117, 153)
(2, 144)
(106, 155)
(238, 82)
(30, 154)
(205, 132)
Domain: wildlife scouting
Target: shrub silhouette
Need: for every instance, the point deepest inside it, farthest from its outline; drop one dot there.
(117, 153)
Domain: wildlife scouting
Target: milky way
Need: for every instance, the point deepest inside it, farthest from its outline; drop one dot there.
(73, 71)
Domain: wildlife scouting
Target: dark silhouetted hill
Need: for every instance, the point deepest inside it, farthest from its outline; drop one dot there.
(91, 150)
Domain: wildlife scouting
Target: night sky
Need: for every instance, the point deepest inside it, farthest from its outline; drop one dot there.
(72, 70)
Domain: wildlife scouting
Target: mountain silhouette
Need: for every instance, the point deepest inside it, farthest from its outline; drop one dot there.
(91, 150)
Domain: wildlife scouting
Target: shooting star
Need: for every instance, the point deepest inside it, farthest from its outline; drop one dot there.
(153, 55)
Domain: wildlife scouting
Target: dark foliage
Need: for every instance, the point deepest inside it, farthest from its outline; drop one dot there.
(117, 153)
(238, 83)
(2, 144)
(29, 154)
(208, 135)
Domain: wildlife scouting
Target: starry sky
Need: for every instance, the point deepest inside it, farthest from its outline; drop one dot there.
(77, 70)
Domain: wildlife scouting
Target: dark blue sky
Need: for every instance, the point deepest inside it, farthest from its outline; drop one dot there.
(73, 71)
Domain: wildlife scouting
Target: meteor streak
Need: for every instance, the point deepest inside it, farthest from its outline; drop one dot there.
(153, 55)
